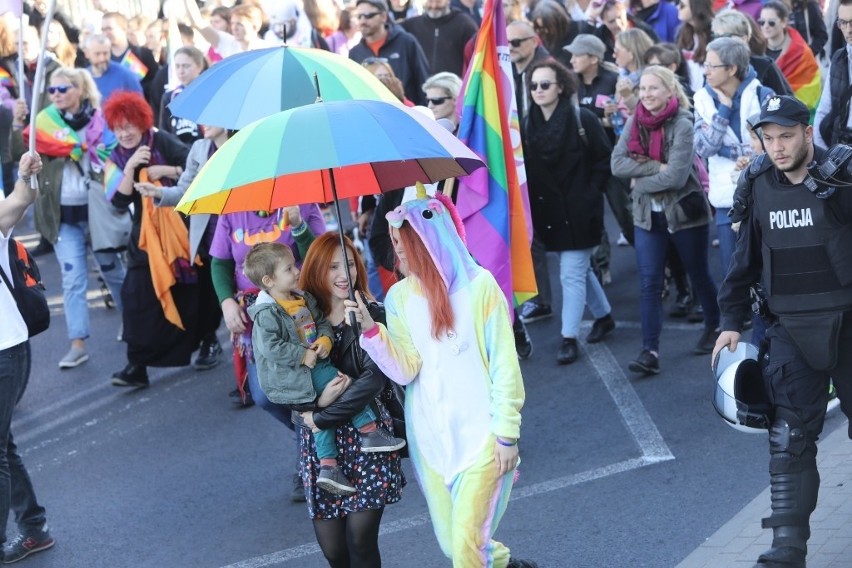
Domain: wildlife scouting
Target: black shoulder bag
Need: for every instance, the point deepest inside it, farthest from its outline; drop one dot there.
(28, 289)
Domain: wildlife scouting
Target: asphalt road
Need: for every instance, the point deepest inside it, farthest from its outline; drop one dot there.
(618, 471)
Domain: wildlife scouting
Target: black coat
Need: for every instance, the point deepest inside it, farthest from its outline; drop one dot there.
(566, 196)
(443, 39)
(367, 380)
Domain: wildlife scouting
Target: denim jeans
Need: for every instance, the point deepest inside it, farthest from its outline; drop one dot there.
(727, 239)
(691, 245)
(16, 489)
(71, 250)
(579, 288)
(374, 282)
(278, 411)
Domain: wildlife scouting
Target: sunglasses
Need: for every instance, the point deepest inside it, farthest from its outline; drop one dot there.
(545, 85)
(770, 23)
(367, 16)
(438, 101)
(374, 60)
(518, 42)
(61, 89)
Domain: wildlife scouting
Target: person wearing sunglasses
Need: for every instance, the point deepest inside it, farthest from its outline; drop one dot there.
(524, 50)
(382, 39)
(442, 91)
(554, 26)
(669, 206)
(735, 24)
(73, 175)
(442, 31)
(833, 120)
(566, 174)
(792, 54)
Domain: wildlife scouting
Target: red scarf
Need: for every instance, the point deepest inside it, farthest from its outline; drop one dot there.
(653, 124)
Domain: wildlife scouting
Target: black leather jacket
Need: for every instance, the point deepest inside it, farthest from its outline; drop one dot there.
(367, 380)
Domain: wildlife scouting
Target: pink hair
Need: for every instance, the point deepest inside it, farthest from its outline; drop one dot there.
(454, 214)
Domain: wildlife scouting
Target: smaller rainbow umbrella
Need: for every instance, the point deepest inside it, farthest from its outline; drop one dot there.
(249, 86)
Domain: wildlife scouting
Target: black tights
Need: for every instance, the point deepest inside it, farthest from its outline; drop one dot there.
(351, 542)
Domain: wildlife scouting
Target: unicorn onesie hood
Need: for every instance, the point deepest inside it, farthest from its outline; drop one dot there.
(464, 387)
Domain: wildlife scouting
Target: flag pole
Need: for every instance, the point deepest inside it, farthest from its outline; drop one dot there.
(22, 79)
(38, 80)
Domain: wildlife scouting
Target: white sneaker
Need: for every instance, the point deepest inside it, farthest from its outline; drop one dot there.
(622, 240)
(120, 334)
(76, 356)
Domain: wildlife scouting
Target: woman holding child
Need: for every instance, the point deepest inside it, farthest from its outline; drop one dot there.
(347, 528)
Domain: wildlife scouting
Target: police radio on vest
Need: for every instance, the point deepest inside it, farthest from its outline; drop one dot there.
(791, 218)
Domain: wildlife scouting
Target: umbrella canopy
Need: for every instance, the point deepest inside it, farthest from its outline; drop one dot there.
(249, 86)
(319, 152)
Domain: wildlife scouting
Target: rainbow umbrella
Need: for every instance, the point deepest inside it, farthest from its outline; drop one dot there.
(325, 151)
(322, 152)
(249, 86)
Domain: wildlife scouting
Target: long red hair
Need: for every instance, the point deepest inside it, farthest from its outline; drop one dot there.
(314, 275)
(420, 264)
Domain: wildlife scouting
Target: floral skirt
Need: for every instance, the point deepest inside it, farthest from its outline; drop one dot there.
(378, 477)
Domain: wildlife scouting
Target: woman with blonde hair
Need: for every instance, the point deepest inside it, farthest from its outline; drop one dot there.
(629, 53)
(669, 205)
(58, 44)
(442, 91)
(71, 180)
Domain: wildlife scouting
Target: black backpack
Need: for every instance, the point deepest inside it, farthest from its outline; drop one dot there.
(27, 288)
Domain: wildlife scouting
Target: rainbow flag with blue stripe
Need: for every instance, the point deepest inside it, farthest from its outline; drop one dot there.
(493, 203)
(112, 178)
(134, 64)
(6, 80)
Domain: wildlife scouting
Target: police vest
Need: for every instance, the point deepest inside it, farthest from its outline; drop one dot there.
(807, 257)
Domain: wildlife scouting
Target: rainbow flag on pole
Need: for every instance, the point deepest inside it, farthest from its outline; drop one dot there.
(493, 203)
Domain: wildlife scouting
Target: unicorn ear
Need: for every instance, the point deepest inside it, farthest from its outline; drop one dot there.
(421, 190)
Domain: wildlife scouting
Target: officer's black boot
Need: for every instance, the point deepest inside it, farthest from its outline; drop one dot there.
(794, 485)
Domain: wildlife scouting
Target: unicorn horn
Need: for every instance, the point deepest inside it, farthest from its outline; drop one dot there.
(421, 190)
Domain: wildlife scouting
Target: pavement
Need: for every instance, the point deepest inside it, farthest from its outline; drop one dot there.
(740, 541)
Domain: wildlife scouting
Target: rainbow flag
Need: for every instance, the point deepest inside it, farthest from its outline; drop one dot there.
(801, 69)
(134, 64)
(56, 139)
(492, 202)
(112, 178)
(6, 80)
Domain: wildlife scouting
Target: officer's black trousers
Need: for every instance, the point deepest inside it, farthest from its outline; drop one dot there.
(799, 395)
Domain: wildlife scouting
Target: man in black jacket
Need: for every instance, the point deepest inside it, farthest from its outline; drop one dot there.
(386, 41)
(442, 32)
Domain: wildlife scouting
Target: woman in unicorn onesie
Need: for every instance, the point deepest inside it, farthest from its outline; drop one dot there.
(449, 339)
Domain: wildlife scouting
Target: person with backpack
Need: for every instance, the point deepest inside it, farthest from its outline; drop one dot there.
(567, 156)
(16, 489)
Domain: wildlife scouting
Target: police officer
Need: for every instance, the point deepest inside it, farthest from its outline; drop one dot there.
(796, 237)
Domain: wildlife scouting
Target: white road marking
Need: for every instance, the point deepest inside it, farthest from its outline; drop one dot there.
(636, 419)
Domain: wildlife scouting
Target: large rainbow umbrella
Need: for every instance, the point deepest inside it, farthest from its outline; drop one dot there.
(322, 152)
(249, 86)
(325, 151)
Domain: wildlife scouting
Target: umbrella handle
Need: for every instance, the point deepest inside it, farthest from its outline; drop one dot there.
(317, 88)
(352, 321)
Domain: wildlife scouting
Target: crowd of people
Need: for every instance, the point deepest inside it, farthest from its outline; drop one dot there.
(651, 106)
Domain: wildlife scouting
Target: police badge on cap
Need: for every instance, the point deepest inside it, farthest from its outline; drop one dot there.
(783, 110)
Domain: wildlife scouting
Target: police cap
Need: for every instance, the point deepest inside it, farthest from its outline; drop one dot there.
(784, 110)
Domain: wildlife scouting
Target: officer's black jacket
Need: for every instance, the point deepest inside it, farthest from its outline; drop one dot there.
(747, 263)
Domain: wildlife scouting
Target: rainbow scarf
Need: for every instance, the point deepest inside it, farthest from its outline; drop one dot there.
(55, 138)
(493, 203)
(801, 69)
(134, 64)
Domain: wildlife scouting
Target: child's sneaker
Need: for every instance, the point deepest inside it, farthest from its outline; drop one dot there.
(26, 544)
(332, 480)
(380, 441)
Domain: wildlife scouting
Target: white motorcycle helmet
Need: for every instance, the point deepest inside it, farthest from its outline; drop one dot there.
(740, 397)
